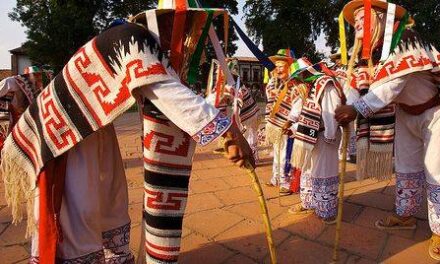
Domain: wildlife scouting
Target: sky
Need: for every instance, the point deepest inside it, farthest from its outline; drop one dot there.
(13, 34)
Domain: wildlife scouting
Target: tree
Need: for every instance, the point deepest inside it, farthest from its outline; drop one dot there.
(297, 24)
(57, 28)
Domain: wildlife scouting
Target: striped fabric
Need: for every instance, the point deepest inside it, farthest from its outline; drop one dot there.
(93, 89)
(248, 106)
(167, 164)
(272, 91)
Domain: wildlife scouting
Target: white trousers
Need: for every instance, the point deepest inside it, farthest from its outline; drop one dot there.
(251, 134)
(319, 183)
(280, 172)
(94, 213)
(417, 155)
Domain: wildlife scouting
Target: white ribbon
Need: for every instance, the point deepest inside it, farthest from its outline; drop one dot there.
(388, 37)
(153, 28)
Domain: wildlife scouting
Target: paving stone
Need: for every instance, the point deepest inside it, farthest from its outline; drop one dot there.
(308, 226)
(197, 249)
(390, 190)
(353, 259)
(136, 195)
(211, 185)
(2, 195)
(135, 238)
(372, 187)
(240, 259)
(202, 202)
(248, 237)
(5, 214)
(355, 239)
(237, 195)
(212, 222)
(298, 250)
(252, 210)
(14, 234)
(135, 213)
(404, 251)
(351, 212)
(352, 183)
(210, 173)
(373, 199)
(12, 254)
(238, 180)
(423, 231)
(423, 212)
(369, 216)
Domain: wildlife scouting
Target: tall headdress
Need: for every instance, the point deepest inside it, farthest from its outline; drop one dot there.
(182, 28)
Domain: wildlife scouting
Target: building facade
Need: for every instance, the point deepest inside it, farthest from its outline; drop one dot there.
(19, 60)
(251, 74)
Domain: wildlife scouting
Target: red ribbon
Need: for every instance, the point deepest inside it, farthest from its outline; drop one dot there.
(366, 41)
(176, 56)
(51, 185)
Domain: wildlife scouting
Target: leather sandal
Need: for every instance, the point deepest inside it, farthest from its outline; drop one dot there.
(299, 210)
(434, 247)
(395, 223)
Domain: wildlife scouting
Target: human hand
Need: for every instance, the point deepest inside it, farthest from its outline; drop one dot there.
(237, 149)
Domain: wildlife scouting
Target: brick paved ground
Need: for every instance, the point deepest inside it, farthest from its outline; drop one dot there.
(223, 223)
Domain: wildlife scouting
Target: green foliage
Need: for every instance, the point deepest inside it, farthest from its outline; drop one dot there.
(57, 28)
(297, 24)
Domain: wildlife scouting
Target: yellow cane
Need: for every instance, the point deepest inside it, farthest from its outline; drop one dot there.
(264, 212)
(346, 132)
(262, 201)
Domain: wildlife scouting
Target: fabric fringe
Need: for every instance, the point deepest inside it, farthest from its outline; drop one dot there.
(18, 190)
(380, 158)
(302, 153)
(375, 162)
(361, 158)
(273, 134)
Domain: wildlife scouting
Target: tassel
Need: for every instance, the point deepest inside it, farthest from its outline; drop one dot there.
(398, 35)
(391, 12)
(342, 39)
(195, 61)
(366, 51)
(266, 76)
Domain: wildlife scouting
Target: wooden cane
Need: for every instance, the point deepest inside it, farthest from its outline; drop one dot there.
(264, 212)
(346, 132)
(261, 200)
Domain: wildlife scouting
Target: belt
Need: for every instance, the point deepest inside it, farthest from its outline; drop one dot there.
(421, 108)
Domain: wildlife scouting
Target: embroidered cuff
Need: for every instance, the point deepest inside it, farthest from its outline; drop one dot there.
(213, 130)
(363, 108)
(329, 141)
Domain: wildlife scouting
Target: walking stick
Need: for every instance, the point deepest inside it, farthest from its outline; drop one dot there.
(264, 212)
(346, 132)
(263, 205)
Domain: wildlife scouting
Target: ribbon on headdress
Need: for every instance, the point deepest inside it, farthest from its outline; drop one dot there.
(195, 60)
(389, 27)
(366, 42)
(398, 35)
(342, 39)
(268, 64)
(176, 56)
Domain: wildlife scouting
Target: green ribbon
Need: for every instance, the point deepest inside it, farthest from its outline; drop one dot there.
(398, 35)
(192, 4)
(195, 60)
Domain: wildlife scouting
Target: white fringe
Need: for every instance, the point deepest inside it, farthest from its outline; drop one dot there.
(19, 188)
(361, 159)
(380, 161)
(273, 134)
(374, 160)
(302, 153)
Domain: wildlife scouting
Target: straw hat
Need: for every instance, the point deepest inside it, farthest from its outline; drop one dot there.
(353, 5)
(282, 55)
